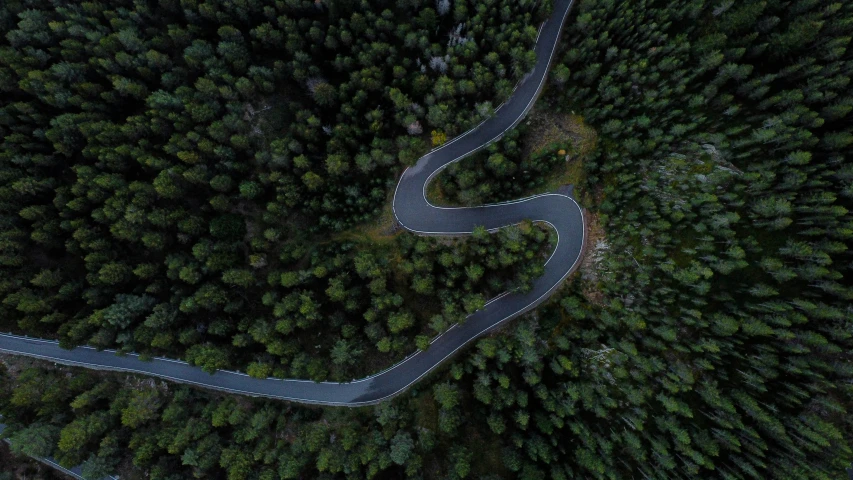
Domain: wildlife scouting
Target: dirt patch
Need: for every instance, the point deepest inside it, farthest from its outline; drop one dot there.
(595, 245)
(381, 230)
(12, 364)
(548, 127)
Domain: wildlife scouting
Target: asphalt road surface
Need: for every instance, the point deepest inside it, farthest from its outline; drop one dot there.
(416, 214)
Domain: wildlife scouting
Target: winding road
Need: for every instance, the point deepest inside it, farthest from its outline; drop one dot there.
(416, 214)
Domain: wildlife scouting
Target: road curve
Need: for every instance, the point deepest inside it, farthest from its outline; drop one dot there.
(416, 214)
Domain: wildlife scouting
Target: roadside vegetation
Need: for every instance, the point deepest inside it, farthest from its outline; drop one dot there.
(193, 178)
(20, 466)
(708, 334)
(544, 153)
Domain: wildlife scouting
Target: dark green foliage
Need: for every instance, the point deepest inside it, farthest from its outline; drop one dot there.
(170, 431)
(719, 346)
(164, 164)
(708, 337)
(499, 173)
(369, 300)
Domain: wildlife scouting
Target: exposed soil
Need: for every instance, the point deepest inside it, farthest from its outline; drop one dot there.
(595, 243)
(546, 128)
(382, 229)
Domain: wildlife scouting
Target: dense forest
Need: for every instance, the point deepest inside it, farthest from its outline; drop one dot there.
(174, 175)
(708, 334)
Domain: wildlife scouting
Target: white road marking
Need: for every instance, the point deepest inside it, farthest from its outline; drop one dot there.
(413, 355)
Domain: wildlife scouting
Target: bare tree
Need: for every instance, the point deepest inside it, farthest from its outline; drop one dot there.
(442, 6)
(438, 64)
(415, 128)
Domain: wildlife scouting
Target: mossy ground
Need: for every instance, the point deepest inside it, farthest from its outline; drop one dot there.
(546, 129)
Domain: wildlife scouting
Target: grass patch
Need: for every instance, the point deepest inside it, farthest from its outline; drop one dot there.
(546, 128)
(435, 194)
(380, 231)
(549, 128)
